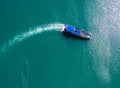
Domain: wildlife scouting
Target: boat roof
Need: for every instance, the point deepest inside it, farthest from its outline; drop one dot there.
(70, 28)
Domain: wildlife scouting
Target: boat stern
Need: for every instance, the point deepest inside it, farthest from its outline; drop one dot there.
(64, 28)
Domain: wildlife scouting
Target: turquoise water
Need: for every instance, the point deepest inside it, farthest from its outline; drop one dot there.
(35, 54)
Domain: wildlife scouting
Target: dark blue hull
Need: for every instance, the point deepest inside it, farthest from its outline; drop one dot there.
(76, 32)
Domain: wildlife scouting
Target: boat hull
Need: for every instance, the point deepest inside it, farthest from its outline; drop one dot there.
(71, 30)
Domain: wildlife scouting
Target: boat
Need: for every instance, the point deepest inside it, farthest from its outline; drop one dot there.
(77, 32)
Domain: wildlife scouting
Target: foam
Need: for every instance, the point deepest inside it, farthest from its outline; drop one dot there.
(37, 30)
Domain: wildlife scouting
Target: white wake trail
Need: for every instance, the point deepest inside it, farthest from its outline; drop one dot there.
(37, 30)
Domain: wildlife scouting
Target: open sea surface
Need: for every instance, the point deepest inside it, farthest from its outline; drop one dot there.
(35, 54)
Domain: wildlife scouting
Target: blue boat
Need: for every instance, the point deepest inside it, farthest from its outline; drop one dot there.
(76, 32)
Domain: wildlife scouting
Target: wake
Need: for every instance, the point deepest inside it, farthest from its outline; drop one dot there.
(20, 37)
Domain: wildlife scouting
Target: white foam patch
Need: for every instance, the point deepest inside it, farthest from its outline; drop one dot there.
(37, 30)
(103, 17)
